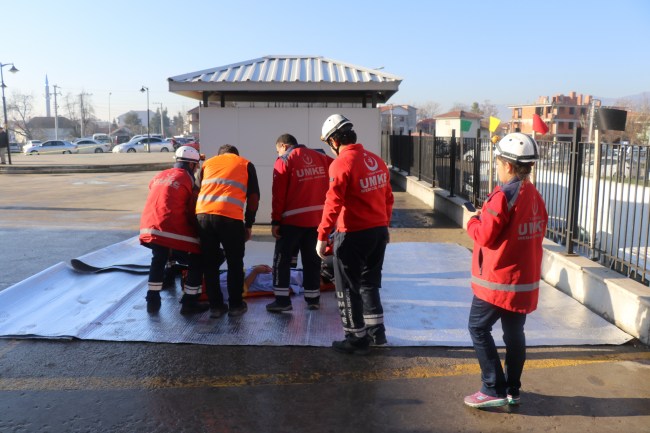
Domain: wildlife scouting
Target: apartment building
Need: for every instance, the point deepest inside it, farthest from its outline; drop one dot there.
(398, 119)
(561, 113)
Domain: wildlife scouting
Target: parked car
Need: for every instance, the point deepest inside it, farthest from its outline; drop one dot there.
(102, 138)
(135, 137)
(637, 162)
(30, 143)
(182, 141)
(121, 138)
(51, 147)
(138, 145)
(15, 148)
(469, 154)
(88, 145)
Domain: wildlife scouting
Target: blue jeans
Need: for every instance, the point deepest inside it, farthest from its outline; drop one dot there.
(496, 381)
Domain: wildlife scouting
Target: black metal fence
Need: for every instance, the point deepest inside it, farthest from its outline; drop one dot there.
(597, 197)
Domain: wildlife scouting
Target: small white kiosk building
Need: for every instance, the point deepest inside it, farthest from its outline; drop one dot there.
(250, 104)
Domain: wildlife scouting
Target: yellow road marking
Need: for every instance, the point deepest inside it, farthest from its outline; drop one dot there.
(284, 379)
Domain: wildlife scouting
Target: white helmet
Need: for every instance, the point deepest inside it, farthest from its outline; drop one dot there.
(517, 147)
(332, 124)
(188, 154)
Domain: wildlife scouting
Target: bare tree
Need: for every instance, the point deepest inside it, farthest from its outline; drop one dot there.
(642, 123)
(637, 125)
(80, 111)
(427, 110)
(458, 106)
(20, 109)
(488, 109)
(86, 112)
(71, 108)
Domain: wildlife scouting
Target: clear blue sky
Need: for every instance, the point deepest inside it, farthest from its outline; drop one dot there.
(508, 52)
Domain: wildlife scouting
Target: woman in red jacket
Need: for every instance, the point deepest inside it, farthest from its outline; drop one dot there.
(506, 270)
(168, 223)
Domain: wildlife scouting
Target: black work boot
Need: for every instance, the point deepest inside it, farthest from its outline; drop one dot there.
(153, 301)
(191, 305)
(238, 310)
(377, 335)
(281, 303)
(352, 345)
(313, 303)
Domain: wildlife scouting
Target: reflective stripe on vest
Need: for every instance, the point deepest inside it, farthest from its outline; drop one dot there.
(221, 198)
(169, 235)
(228, 182)
(302, 210)
(528, 287)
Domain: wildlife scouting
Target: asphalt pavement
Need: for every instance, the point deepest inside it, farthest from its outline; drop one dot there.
(51, 214)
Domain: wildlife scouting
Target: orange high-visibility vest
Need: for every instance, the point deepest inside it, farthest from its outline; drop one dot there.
(224, 183)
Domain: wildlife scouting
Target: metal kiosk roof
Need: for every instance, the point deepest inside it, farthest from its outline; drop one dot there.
(287, 79)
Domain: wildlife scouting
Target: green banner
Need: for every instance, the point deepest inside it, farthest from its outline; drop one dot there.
(465, 125)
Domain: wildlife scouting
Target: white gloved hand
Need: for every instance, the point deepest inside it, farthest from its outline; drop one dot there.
(320, 248)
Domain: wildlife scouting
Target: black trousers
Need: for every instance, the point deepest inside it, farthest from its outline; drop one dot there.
(216, 231)
(302, 239)
(358, 259)
(160, 256)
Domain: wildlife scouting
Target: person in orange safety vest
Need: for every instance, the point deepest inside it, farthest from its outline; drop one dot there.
(226, 210)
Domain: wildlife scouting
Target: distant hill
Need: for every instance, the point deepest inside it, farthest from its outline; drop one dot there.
(639, 98)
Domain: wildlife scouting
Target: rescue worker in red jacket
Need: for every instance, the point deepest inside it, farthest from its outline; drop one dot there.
(300, 182)
(359, 203)
(506, 269)
(226, 210)
(168, 223)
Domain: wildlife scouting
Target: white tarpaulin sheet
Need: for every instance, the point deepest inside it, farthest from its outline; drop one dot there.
(426, 297)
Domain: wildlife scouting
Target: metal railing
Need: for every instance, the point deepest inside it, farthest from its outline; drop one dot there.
(597, 195)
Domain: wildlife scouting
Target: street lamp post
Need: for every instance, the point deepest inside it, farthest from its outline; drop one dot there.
(592, 113)
(146, 89)
(13, 70)
(109, 114)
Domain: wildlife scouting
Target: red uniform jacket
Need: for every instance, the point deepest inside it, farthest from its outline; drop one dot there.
(507, 257)
(359, 196)
(300, 182)
(168, 217)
